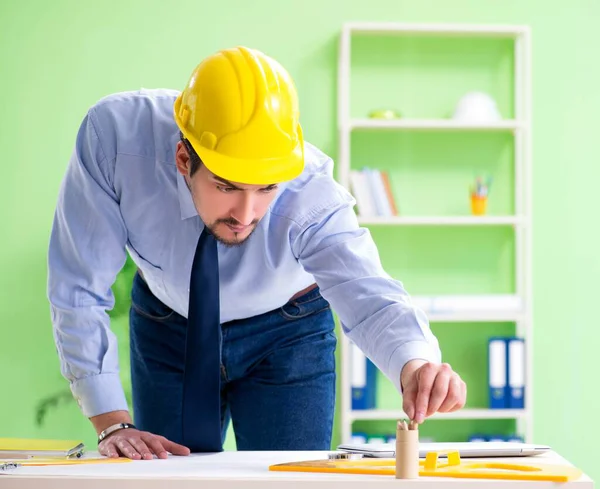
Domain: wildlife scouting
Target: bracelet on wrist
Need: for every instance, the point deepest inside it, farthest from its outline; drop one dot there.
(115, 427)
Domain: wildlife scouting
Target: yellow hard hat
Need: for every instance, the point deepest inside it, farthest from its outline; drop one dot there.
(240, 113)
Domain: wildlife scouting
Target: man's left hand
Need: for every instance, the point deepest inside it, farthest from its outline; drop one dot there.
(429, 388)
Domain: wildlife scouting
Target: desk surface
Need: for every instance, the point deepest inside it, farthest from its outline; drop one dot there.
(245, 470)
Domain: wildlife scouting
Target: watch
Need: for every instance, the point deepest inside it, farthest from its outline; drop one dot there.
(115, 427)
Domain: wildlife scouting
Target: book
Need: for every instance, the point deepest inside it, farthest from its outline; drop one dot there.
(387, 185)
(378, 192)
(362, 193)
(25, 448)
(373, 193)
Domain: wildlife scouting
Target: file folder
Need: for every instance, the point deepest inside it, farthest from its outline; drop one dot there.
(497, 373)
(364, 377)
(516, 373)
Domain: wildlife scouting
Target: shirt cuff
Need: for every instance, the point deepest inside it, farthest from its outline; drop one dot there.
(412, 350)
(99, 394)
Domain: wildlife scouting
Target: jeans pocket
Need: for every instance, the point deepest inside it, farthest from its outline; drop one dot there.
(306, 305)
(146, 304)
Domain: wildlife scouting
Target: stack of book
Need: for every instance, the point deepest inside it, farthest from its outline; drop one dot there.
(373, 193)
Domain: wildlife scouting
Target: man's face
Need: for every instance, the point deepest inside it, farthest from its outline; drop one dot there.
(230, 210)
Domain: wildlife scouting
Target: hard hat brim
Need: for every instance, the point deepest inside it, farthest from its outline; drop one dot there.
(253, 172)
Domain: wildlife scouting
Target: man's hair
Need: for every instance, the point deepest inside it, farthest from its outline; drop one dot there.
(195, 160)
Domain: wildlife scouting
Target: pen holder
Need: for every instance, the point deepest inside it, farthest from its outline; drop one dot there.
(478, 205)
(407, 454)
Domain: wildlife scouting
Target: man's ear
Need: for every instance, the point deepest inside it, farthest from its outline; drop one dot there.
(182, 159)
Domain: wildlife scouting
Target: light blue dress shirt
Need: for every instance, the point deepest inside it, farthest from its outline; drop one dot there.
(122, 193)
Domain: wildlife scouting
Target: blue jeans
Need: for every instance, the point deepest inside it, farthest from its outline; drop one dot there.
(277, 372)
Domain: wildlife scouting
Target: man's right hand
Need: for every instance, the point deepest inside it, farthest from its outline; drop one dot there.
(139, 445)
(132, 443)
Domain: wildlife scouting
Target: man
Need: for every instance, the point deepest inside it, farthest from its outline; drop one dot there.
(244, 242)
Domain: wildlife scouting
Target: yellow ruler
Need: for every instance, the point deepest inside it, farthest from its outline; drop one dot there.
(431, 467)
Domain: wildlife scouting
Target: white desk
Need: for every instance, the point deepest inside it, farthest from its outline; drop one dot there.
(245, 470)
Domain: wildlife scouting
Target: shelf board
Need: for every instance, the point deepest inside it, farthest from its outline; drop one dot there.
(483, 30)
(380, 414)
(474, 317)
(441, 220)
(432, 124)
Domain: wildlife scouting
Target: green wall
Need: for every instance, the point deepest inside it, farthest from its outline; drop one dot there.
(59, 57)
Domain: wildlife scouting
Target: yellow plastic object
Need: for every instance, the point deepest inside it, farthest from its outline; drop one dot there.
(478, 205)
(431, 459)
(240, 112)
(431, 467)
(384, 114)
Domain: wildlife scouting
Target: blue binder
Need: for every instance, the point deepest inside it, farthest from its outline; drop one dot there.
(516, 372)
(364, 380)
(497, 373)
(359, 437)
(477, 438)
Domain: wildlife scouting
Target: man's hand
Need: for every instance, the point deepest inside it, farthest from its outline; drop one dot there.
(429, 388)
(132, 443)
(139, 445)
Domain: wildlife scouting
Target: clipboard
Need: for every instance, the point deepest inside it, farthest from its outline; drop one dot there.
(25, 448)
(9, 464)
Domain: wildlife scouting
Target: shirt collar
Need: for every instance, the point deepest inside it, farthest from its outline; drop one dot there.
(186, 204)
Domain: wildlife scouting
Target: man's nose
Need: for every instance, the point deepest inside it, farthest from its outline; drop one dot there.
(244, 210)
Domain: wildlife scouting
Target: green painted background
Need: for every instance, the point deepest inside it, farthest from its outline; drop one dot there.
(58, 58)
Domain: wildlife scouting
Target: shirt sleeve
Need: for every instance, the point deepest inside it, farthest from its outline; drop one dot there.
(86, 252)
(375, 310)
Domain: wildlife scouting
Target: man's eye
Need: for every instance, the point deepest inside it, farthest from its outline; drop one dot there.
(225, 189)
(268, 189)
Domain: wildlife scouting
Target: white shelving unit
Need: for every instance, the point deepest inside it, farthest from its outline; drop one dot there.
(520, 128)
(382, 414)
(442, 221)
(433, 125)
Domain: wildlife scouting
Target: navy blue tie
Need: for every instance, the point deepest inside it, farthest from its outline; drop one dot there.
(201, 386)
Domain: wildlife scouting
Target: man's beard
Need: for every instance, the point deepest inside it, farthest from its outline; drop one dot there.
(230, 242)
